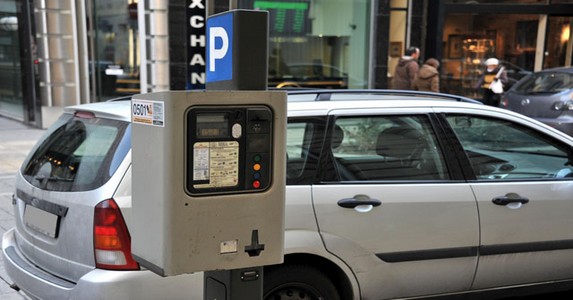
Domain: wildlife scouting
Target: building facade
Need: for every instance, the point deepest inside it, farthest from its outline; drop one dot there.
(59, 53)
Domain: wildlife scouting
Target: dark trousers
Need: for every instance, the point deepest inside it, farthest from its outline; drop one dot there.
(490, 98)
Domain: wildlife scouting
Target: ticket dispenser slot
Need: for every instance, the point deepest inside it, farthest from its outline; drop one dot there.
(229, 149)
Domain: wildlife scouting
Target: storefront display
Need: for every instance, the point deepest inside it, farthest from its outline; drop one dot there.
(515, 39)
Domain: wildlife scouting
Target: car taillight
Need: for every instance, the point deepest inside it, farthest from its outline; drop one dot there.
(504, 102)
(84, 114)
(112, 242)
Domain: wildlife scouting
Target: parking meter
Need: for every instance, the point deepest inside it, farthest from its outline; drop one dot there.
(209, 180)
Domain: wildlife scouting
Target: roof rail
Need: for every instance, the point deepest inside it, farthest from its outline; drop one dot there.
(325, 94)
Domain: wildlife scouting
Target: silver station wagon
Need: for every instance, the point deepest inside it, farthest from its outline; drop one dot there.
(389, 195)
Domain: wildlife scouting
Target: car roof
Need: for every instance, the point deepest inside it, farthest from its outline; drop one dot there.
(311, 101)
(558, 69)
(118, 109)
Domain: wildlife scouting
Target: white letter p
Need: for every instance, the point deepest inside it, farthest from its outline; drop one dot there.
(214, 54)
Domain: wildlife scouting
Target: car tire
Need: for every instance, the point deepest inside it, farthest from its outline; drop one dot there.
(293, 282)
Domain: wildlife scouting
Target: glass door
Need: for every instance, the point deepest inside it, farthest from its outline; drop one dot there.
(115, 60)
(11, 100)
(558, 42)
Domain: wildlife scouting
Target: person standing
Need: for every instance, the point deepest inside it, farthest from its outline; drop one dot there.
(489, 76)
(428, 77)
(406, 69)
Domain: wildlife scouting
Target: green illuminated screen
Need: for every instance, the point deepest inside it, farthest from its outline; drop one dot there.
(286, 17)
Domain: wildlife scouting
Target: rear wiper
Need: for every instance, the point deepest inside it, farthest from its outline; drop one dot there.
(43, 180)
(52, 178)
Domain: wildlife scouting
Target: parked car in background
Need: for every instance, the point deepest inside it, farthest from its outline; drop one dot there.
(546, 96)
(309, 75)
(514, 73)
(390, 194)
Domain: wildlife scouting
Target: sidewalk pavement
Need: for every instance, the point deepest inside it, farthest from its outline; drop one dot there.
(16, 140)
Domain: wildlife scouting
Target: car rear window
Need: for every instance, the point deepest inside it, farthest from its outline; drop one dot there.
(78, 154)
(545, 82)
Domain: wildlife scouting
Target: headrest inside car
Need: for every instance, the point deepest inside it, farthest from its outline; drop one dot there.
(337, 137)
(398, 142)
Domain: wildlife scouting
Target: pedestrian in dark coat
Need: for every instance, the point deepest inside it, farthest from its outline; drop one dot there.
(406, 70)
(428, 78)
(489, 75)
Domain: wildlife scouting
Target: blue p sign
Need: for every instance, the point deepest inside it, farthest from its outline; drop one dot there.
(220, 48)
(237, 50)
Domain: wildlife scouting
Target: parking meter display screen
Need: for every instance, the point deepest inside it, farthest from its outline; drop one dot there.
(229, 149)
(212, 125)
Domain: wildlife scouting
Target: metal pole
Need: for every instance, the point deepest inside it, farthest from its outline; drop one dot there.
(210, 7)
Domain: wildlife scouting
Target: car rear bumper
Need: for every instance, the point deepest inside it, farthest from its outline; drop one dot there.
(96, 284)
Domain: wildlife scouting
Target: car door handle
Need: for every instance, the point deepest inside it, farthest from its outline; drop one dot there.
(358, 200)
(509, 198)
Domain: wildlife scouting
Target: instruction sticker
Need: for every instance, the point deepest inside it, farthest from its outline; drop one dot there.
(217, 163)
(147, 112)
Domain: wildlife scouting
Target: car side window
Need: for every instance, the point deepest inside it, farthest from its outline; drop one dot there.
(502, 150)
(304, 137)
(392, 148)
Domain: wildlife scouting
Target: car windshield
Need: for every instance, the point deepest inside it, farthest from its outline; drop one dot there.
(78, 154)
(545, 82)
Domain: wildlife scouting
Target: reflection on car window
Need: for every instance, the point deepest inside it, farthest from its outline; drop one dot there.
(502, 150)
(302, 146)
(79, 155)
(296, 148)
(386, 148)
(545, 82)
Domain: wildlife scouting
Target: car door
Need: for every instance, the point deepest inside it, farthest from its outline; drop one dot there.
(392, 206)
(523, 182)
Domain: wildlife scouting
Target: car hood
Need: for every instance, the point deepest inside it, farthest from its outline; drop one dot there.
(536, 105)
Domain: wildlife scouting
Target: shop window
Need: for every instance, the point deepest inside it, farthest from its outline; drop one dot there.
(506, 1)
(319, 44)
(470, 39)
(525, 44)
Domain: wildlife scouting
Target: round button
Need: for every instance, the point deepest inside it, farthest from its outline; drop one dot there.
(256, 184)
(257, 158)
(257, 175)
(236, 130)
(256, 167)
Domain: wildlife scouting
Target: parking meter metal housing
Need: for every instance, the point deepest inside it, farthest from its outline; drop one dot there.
(184, 219)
